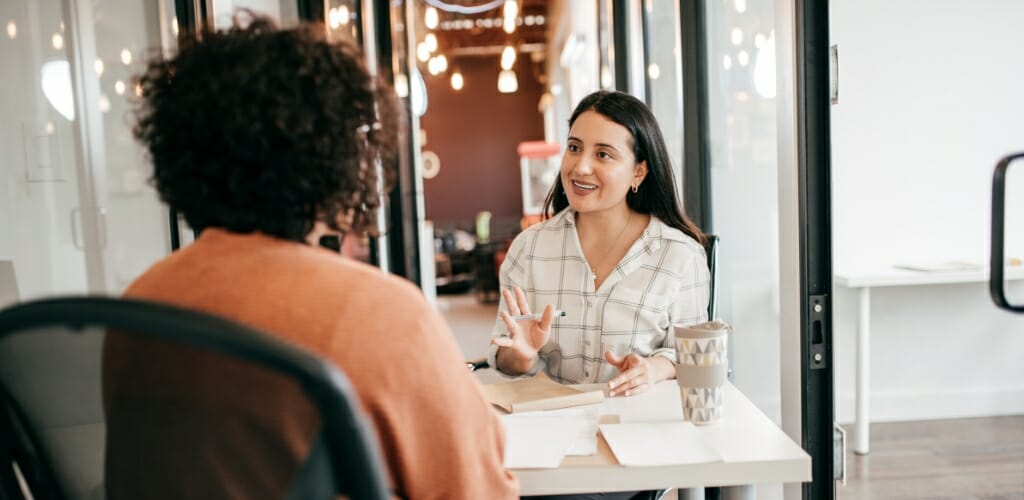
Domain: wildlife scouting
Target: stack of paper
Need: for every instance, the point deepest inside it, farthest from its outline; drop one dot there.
(538, 393)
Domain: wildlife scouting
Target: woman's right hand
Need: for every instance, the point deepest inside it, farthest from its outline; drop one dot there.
(527, 336)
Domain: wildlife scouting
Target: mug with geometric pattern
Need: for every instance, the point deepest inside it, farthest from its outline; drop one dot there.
(703, 364)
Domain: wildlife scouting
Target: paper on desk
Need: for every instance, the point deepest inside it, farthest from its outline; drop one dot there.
(586, 417)
(941, 267)
(658, 443)
(539, 442)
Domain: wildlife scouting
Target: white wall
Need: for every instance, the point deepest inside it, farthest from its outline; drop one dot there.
(930, 96)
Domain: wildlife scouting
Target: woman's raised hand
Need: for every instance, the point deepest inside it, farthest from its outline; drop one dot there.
(527, 336)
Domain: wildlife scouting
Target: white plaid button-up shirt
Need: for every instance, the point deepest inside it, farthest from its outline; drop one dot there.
(662, 280)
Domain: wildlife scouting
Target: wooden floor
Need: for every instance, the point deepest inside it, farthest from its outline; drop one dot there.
(975, 458)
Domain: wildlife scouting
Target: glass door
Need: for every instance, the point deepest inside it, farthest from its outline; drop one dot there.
(42, 240)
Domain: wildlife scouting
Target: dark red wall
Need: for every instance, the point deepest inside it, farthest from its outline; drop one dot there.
(475, 132)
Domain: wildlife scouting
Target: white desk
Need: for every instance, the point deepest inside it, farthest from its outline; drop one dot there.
(864, 281)
(753, 448)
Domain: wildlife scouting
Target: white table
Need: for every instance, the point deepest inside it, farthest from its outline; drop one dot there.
(753, 449)
(864, 281)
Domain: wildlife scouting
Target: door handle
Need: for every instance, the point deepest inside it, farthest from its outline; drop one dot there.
(76, 215)
(996, 282)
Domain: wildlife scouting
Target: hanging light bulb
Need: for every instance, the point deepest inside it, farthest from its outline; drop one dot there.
(508, 57)
(344, 16)
(510, 12)
(507, 82)
(422, 52)
(431, 41)
(402, 85)
(434, 65)
(430, 18)
(442, 63)
(457, 80)
(98, 66)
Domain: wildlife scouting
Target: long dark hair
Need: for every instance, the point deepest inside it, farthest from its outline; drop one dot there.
(657, 194)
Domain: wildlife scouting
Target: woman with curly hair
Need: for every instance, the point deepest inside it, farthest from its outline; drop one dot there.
(265, 139)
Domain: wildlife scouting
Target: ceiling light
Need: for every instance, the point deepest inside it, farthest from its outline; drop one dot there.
(104, 103)
(457, 81)
(402, 85)
(98, 66)
(737, 36)
(743, 58)
(507, 82)
(422, 52)
(653, 71)
(57, 41)
(55, 77)
(437, 65)
(430, 18)
(726, 62)
(431, 41)
(343, 15)
(764, 68)
(126, 56)
(510, 12)
(12, 29)
(119, 87)
(741, 6)
(508, 57)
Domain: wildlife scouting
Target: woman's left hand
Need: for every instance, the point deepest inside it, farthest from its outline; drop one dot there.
(638, 373)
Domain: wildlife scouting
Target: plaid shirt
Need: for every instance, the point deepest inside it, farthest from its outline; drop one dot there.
(662, 280)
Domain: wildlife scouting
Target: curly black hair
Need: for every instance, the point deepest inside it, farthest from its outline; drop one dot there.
(260, 129)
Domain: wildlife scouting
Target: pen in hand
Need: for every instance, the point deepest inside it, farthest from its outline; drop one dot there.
(537, 316)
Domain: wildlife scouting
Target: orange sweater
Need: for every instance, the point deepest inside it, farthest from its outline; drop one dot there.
(439, 437)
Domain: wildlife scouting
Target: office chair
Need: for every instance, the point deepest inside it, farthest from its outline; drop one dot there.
(52, 426)
(711, 251)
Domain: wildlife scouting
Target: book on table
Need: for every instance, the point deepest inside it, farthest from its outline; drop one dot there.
(538, 393)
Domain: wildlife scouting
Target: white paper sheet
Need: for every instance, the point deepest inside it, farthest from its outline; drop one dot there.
(657, 443)
(538, 442)
(587, 418)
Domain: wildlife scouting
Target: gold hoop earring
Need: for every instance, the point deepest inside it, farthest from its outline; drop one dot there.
(635, 188)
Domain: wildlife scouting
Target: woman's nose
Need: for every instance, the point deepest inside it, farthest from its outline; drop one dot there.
(582, 166)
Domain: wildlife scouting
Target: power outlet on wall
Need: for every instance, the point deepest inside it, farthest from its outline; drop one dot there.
(42, 144)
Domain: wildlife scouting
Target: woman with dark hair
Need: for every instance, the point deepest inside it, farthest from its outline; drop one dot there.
(265, 139)
(616, 254)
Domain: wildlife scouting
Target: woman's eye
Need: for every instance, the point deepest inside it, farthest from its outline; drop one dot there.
(574, 148)
(603, 155)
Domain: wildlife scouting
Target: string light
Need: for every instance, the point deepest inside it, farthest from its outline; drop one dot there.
(508, 57)
(430, 18)
(511, 11)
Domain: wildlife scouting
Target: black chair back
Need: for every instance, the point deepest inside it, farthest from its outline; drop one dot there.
(53, 427)
(711, 249)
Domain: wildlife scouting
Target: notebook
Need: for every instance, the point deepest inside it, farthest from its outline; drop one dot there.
(538, 393)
